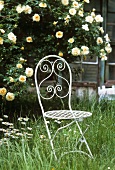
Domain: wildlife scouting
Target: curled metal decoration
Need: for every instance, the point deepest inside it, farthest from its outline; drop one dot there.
(45, 67)
(60, 65)
(53, 90)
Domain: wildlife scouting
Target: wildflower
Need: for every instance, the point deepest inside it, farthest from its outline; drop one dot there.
(19, 65)
(99, 18)
(99, 40)
(42, 136)
(71, 40)
(3, 91)
(59, 34)
(1, 40)
(5, 116)
(7, 124)
(53, 169)
(11, 126)
(72, 11)
(27, 9)
(29, 134)
(75, 51)
(10, 96)
(60, 54)
(89, 19)
(85, 27)
(36, 18)
(29, 39)
(57, 121)
(14, 137)
(1, 119)
(12, 37)
(23, 123)
(19, 134)
(2, 31)
(65, 2)
(43, 5)
(20, 118)
(22, 78)
(29, 72)
(29, 128)
(26, 119)
(85, 50)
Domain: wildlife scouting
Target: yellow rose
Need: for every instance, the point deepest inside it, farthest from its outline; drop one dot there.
(10, 96)
(43, 5)
(71, 40)
(19, 65)
(22, 78)
(59, 34)
(36, 18)
(12, 37)
(65, 2)
(99, 40)
(75, 51)
(27, 9)
(29, 39)
(3, 91)
(29, 72)
(72, 11)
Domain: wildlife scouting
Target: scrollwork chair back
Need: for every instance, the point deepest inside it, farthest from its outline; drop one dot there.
(56, 67)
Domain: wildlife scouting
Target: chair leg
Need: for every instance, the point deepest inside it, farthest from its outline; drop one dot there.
(51, 142)
(82, 139)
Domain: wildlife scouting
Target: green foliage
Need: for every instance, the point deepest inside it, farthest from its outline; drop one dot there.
(34, 29)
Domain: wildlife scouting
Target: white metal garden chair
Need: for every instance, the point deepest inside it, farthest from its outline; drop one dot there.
(55, 66)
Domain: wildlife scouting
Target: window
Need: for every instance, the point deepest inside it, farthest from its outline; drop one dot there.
(110, 65)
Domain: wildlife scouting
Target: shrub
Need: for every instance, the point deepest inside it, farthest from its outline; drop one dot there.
(30, 30)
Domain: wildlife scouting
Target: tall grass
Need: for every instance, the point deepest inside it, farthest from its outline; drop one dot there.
(35, 153)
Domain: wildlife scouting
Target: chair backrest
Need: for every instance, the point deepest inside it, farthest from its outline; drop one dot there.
(53, 77)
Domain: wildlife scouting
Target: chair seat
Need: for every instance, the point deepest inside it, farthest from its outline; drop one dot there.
(67, 114)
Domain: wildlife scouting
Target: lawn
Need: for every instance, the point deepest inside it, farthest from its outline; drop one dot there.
(29, 149)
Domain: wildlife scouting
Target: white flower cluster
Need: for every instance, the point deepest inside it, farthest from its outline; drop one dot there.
(24, 8)
(10, 132)
(83, 51)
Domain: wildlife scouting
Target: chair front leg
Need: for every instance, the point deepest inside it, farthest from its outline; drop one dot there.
(50, 138)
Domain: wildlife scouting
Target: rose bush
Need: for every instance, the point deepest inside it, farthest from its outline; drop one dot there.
(29, 30)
